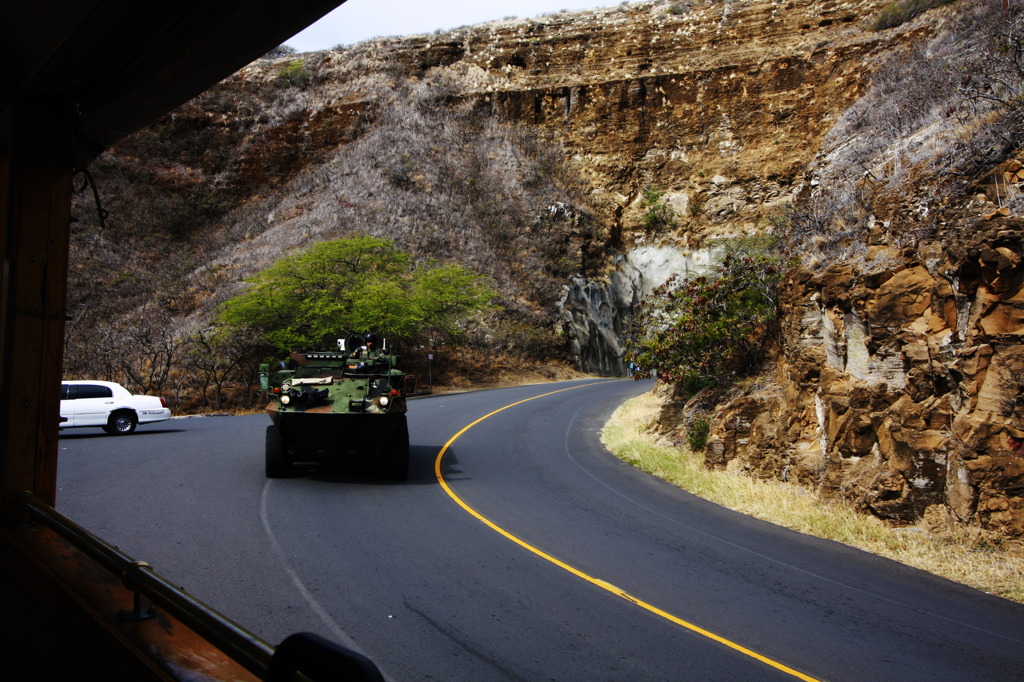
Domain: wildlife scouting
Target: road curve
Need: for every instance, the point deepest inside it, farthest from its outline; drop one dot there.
(520, 549)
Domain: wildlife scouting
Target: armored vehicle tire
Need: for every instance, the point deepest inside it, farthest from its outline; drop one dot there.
(121, 423)
(397, 456)
(277, 464)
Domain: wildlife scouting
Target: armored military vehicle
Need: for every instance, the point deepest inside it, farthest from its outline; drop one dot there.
(336, 404)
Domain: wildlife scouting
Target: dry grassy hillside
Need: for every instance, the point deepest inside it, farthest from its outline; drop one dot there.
(208, 197)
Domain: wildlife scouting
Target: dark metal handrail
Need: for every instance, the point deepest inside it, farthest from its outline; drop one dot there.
(316, 658)
(244, 647)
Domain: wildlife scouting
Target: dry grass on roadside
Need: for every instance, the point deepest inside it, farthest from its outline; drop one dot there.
(966, 556)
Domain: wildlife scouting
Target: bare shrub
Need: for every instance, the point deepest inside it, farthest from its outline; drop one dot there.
(213, 362)
(936, 114)
(140, 354)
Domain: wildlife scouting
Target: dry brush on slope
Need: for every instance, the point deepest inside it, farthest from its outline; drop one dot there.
(219, 191)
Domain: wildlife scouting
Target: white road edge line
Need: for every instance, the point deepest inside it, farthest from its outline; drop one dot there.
(335, 629)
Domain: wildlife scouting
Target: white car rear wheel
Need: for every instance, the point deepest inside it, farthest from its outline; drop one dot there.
(121, 423)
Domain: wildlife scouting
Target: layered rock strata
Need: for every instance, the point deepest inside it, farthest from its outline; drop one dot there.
(899, 386)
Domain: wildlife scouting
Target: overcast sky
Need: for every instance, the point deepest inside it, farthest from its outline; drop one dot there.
(358, 20)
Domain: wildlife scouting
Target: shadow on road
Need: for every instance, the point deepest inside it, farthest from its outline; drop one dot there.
(100, 434)
(366, 470)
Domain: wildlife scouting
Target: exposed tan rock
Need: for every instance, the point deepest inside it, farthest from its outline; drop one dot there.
(722, 106)
(916, 378)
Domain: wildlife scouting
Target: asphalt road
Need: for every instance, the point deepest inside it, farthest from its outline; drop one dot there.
(520, 550)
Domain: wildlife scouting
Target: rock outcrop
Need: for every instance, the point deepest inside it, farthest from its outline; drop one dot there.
(718, 105)
(596, 313)
(722, 104)
(899, 388)
(898, 381)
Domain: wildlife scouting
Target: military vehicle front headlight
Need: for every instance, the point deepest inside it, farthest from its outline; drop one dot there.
(384, 400)
(285, 399)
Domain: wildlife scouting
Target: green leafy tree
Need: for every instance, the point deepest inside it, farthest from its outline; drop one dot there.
(707, 330)
(362, 283)
(447, 296)
(295, 74)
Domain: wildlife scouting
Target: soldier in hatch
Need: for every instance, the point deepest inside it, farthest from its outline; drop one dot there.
(369, 348)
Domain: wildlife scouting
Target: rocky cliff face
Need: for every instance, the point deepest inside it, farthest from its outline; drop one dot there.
(897, 385)
(595, 314)
(719, 105)
(722, 103)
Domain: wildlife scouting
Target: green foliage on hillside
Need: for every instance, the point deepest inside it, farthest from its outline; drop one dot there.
(708, 330)
(658, 215)
(896, 13)
(295, 74)
(360, 283)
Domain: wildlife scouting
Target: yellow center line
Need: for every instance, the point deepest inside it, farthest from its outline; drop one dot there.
(577, 572)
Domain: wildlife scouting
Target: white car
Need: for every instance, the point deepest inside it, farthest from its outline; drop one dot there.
(108, 405)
